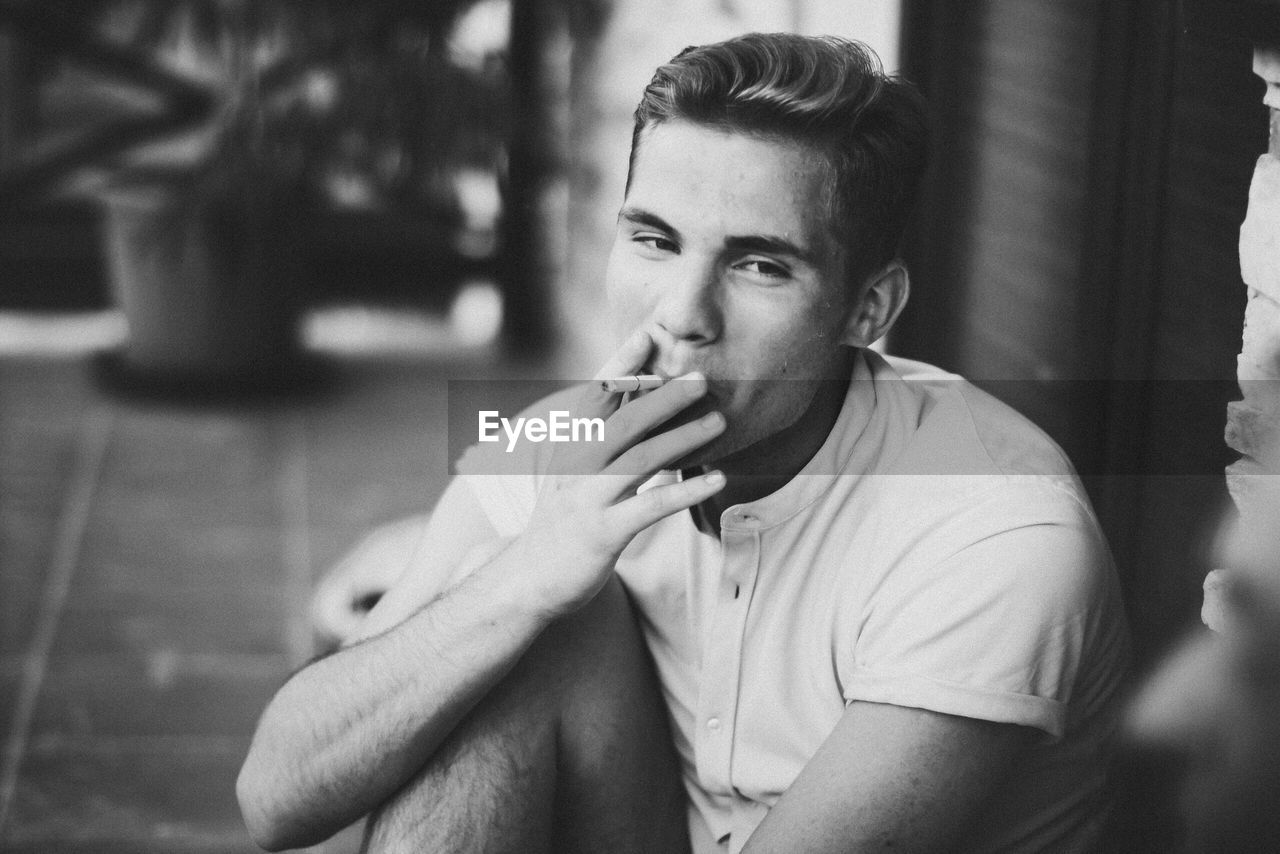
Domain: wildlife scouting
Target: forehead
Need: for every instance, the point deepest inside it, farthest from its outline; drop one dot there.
(733, 182)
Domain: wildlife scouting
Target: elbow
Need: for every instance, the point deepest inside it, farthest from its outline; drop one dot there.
(269, 824)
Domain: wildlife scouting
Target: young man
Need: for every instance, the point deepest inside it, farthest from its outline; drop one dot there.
(879, 611)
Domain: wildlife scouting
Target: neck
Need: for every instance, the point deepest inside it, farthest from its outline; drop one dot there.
(769, 464)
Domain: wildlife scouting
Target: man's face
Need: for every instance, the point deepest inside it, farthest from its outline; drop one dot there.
(723, 255)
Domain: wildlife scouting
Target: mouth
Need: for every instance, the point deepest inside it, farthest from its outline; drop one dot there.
(670, 370)
(705, 404)
(650, 368)
(717, 391)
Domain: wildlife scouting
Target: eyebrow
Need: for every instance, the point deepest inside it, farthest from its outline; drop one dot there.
(765, 243)
(768, 245)
(640, 216)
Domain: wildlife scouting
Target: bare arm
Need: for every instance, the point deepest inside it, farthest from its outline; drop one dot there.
(346, 732)
(892, 778)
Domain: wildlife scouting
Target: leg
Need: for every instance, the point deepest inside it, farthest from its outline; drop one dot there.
(618, 786)
(571, 752)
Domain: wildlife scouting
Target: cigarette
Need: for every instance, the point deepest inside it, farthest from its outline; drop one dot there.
(643, 382)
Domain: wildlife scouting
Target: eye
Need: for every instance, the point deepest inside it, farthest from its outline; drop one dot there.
(656, 242)
(764, 268)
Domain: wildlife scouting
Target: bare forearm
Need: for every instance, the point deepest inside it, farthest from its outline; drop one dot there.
(346, 732)
(891, 777)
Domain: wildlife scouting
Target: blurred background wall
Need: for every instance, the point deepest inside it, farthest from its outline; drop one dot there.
(1076, 255)
(1077, 252)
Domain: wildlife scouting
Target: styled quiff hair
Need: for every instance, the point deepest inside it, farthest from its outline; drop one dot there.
(825, 92)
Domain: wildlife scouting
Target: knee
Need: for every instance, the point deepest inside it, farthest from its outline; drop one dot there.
(601, 636)
(607, 688)
(580, 713)
(588, 677)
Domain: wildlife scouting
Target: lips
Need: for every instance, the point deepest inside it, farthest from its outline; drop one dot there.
(670, 371)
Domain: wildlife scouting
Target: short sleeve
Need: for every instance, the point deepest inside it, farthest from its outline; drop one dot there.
(505, 492)
(997, 627)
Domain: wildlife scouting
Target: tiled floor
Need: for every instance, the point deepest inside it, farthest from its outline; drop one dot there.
(155, 559)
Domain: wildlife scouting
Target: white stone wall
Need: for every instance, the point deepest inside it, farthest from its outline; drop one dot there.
(1252, 422)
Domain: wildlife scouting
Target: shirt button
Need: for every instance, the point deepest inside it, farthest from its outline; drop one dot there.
(713, 724)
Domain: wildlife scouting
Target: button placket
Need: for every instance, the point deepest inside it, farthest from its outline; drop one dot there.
(722, 661)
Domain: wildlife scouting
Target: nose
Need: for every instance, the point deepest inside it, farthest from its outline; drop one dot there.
(689, 306)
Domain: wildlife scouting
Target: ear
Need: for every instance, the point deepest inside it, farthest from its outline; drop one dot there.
(884, 295)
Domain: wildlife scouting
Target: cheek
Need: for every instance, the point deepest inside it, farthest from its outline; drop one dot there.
(795, 354)
(631, 293)
(624, 295)
(802, 341)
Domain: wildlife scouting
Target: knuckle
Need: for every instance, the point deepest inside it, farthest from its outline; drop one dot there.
(656, 500)
(621, 425)
(639, 460)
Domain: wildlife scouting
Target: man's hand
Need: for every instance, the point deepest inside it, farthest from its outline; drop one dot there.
(587, 512)
(347, 731)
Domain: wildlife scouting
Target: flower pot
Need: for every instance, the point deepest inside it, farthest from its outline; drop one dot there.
(208, 287)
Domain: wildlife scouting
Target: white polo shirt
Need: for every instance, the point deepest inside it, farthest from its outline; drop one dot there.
(937, 552)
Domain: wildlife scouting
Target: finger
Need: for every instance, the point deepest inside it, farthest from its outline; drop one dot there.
(621, 477)
(628, 359)
(640, 511)
(637, 418)
(659, 451)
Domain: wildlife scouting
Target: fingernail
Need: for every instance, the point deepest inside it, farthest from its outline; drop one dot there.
(714, 478)
(693, 377)
(713, 419)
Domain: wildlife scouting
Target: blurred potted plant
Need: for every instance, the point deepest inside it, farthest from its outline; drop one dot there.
(202, 226)
(205, 215)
